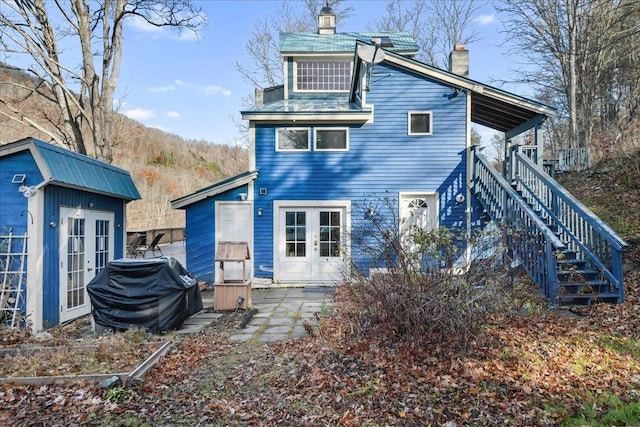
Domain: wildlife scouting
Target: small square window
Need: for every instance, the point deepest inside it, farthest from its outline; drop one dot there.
(420, 123)
(292, 139)
(332, 139)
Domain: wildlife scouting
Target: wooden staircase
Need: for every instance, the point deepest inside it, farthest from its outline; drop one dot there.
(571, 254)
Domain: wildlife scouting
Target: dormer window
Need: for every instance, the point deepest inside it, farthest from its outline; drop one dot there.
(323, 76)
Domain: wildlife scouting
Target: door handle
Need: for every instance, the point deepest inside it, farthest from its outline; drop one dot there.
(89, 269)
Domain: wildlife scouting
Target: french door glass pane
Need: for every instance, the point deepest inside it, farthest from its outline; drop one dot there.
(296, 234)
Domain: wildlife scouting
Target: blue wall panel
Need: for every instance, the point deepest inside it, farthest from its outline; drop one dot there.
(382, 159)
(55, 197)
(13, 204)
(201, 237)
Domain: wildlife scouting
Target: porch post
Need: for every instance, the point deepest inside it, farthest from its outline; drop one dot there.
(539, 138)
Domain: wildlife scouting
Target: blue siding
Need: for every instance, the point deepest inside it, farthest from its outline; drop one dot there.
(200, 234)
(55, 197)
(382, 159)
(13, 204)
(14, 215)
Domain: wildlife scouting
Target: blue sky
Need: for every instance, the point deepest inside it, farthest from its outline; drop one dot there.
(189, 87)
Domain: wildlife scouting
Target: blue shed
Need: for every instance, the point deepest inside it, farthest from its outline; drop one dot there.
(62, 218)
(360, 122)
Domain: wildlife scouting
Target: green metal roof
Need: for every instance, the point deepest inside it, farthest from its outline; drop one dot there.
(70, 169)
(403, 43)
(218, 188)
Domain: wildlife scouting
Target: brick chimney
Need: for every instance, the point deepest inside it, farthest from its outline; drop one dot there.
(459, 61)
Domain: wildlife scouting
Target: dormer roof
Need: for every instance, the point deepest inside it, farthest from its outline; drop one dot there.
(309, 43)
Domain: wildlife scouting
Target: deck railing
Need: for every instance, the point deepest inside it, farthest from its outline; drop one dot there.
(573, 159)
(531, 242)
(578, 227)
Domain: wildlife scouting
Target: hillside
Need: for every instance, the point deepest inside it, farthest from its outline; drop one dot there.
(163, 166)
(611, 189)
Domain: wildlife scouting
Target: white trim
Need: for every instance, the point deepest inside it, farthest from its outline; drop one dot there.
(310, 117)
(320, 129)
(215, 190)
(35, 261)
(465, 83)
(427, 112)
(403, 195)
(311, 204)
(252, 146)
(318, 59)
(294, 150)
(217, 212)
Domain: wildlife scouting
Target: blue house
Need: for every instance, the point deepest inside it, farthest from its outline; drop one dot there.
(359, 120)
(62, 218)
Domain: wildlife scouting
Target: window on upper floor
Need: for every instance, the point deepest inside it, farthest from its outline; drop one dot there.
(292, 139)
(322, 76)
(333, 139)
(420, 123)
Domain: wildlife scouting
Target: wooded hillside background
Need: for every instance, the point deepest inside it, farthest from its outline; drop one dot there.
(163, 166)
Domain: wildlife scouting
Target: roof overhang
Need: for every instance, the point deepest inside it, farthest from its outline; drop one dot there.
(215, 189)
(490, 107)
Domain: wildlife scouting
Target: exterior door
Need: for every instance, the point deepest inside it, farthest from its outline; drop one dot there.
(234, 224)
(86, 246)
(417, 211)
(311, 244)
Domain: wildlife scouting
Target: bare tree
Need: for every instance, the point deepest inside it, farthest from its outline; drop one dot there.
(435, 25)
(265, 67)
(573, 48)
(82, 92)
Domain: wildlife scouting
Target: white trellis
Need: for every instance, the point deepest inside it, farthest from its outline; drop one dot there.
(13, 257)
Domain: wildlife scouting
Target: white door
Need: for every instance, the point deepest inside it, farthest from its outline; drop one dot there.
(86, 246)
(311, 244)
(417, 211)
(234, 224)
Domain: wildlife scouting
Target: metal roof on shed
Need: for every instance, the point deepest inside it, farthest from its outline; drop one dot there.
(403, 43)
(70, 169)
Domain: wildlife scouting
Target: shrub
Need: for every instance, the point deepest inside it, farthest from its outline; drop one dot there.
(423, 289)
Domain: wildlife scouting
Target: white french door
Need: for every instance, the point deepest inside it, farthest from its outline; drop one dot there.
(86, 246)
(311, 243)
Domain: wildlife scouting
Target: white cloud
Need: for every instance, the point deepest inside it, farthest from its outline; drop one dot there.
(143, 26)
(485, 19)
(180, 34)
(168, 88)
(217, 90)
(174, 115)
(139, 114)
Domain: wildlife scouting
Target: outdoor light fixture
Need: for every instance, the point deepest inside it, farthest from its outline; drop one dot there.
(259, 211)
(243, 196)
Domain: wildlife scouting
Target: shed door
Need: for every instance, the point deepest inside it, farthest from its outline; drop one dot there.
(234, 224)
(86, 246)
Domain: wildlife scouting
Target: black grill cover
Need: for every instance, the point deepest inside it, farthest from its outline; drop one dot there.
(157, 294)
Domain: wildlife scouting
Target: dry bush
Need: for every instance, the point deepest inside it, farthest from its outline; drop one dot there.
(423, 289)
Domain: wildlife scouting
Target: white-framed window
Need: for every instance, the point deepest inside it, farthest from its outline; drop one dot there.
(420, 122)
(322, 76)
(331, 139)
(292, 139)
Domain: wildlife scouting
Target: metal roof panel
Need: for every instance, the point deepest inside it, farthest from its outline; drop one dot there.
(70, 169)
(402, 42)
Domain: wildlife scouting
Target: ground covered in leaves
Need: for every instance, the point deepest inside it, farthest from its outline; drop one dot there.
(538, 368)
(541, 367)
